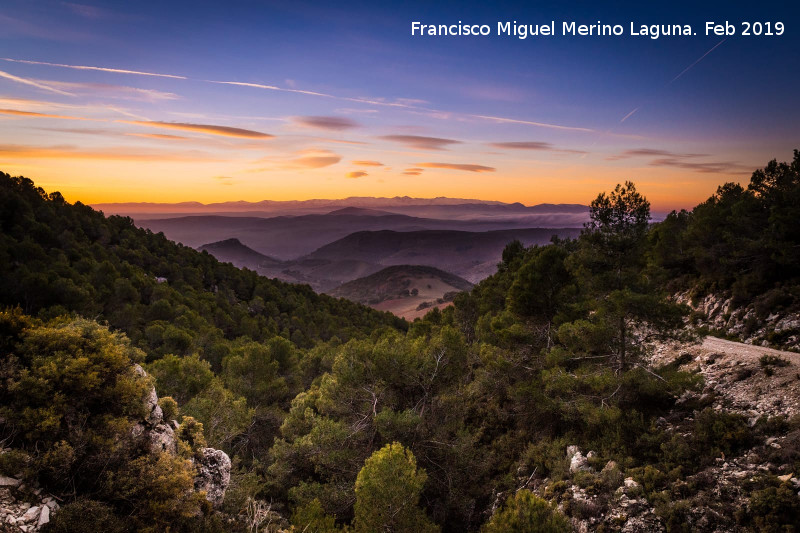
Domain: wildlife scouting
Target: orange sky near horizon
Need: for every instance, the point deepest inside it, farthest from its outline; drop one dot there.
(132, 103)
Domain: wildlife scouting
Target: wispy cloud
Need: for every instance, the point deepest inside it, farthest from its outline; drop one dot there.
(306, 159)
(458, 166)
(416, 171)
(111, 91)
(33, 83)
(652, 152)
(159, 136)
(534, 145)
(326, 123)
(363, 163)
(357, 174)
(86, 11)
(31, 114)
(224, 131)
(419, 142)
(410, 104)
(687, 161)
(224, 180)
(715, 167)
(14, 151)
(101, 69)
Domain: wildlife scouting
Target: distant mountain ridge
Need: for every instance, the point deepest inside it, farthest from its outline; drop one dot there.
(243, 205)
(438, 208)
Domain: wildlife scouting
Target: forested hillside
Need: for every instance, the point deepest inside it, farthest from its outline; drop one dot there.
(167, 298)
(531, 404)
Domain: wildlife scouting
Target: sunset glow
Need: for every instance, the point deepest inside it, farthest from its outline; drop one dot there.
(301, 103)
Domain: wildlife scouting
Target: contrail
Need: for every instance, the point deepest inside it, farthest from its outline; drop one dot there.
(101, 69)
(684, 71)
(531, 123)
(369, 101)
(629, 115)
(33, 83)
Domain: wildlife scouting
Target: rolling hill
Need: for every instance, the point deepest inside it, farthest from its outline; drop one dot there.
(233, 251)
(408, 291)
(291, 237)
(471, 255)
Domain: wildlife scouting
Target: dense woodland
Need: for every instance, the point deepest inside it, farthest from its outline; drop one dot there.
(342, 418)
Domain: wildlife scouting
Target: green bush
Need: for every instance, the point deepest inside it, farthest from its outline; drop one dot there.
(526, 513)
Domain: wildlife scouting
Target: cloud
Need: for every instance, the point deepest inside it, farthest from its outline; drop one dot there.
(413, 171)
(534, 145)
(718, 167)
(33, 83)
(408, 104)
(349, 110)
(357, 174)
(458, 166)
(326, 123)
(90, 12)
(15, 112)
(652, 152)
(523, 145)
(421, 143)
(111, 91)
(14, 151)
(101, 69)
(367, 163)
(224, 131)
(159, 136)
(314, 159)
(224, 180)
(687, 161)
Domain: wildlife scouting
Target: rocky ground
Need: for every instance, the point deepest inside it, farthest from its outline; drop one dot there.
(758, 323)
(753, 381)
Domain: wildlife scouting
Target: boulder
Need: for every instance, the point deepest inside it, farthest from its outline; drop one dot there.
(44, 516)
(162, 439)
(579, 463)
(213, 474)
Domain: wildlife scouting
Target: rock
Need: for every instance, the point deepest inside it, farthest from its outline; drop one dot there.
(162, 439)
(44, 516)
(9, 482)
(786, 477)
(630, 483)
(611, 465)
(155, 415)
(579, 463)
(572, 450)
(31, 514)
(213, 474)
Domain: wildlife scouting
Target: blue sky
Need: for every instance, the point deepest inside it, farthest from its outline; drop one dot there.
(335, 86)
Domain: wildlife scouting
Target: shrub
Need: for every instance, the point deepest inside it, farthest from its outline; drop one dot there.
(527, 513)
(775, 509)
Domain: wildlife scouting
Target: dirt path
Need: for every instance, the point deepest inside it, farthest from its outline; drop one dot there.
(745, 352)
(734, 374)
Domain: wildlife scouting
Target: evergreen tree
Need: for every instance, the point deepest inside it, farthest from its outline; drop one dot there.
(387, 493)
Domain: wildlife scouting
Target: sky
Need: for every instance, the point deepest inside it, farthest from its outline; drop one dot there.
(253, 100)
